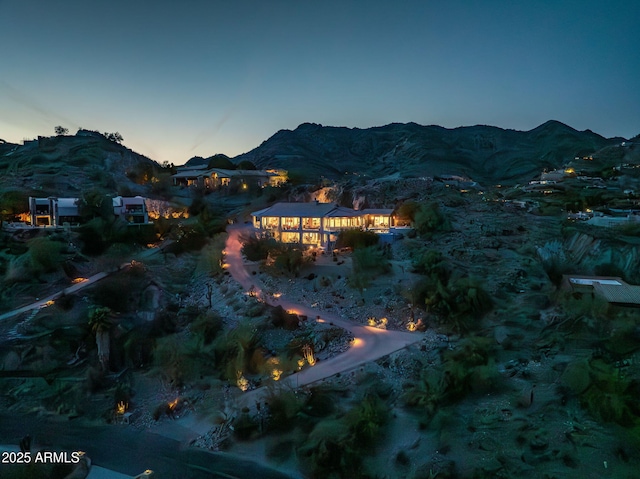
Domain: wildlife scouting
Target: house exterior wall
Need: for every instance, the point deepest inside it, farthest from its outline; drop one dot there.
(53, 211)
(131, 209)
(321, 230)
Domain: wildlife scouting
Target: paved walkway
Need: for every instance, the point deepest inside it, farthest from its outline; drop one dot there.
(369, 343)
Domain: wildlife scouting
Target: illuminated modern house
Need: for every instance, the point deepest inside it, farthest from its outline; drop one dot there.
(317, 224)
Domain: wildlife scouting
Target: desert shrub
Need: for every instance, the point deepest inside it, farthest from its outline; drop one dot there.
(137, 349)
(188, 238)
(355, 238)
(12, 203)
(210, 221)
(288, 258)
(45, 255)
(467, 369)
(429, 219)
(370, 260)
(431, 263)
(207, 325)
(427, 393)
(236, 350)
(280, 318)
(245, 426)
(117, 292)
(576, 376)
(95, 379)
(469, 297)
(623, 336)
(330, 452)
(583, 313)
(336, 448)
(284, 406)
(408, 210)
(181, 360)
(95, 236)
(211, 257)
(319, 403)
(257, 248)
(603, 392)
(140, 234)
(367, 419)
(255, 310)
(162, 187)
(96, 202)
(459, 303)
(18, 270)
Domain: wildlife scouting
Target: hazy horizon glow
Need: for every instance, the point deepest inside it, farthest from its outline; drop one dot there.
(206, 77)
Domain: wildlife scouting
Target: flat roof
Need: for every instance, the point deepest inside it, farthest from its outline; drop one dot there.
(621, 294)
(342, 212)
(230, 173)
(305, 210)
(613, 289)
(592, 281)
(189, 174)
(194, 173)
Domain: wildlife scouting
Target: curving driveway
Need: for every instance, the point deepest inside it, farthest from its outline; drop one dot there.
(369, 343)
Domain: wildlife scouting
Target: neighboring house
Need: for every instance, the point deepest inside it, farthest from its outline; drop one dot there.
(317, 224)
(214, 178)
(554, 175)
(610, 288)
(131, 209)
(54, 211)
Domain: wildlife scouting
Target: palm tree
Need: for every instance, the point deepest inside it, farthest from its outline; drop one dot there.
(101, 327)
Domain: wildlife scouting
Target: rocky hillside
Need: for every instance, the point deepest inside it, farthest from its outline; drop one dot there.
(68, 165)
(484, 153)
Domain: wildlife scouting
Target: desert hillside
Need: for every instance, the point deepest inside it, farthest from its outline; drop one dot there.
(485, 153)
(66, 165)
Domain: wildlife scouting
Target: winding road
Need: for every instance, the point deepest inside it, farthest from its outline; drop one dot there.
(369, 343)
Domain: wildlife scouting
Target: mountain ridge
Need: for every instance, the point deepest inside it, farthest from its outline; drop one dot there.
(484, 152)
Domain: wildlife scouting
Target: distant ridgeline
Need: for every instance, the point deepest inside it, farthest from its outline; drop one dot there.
(483, 153)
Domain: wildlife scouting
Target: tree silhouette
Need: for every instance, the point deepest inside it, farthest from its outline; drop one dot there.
(101, 326)
(61, 130)
(116, 137)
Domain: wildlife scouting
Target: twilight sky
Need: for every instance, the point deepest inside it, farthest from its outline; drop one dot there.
(199, 77)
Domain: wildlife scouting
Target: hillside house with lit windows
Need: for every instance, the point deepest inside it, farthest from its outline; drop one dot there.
(131, 209)
(215, 178)
(318, 224)
(54, 211)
